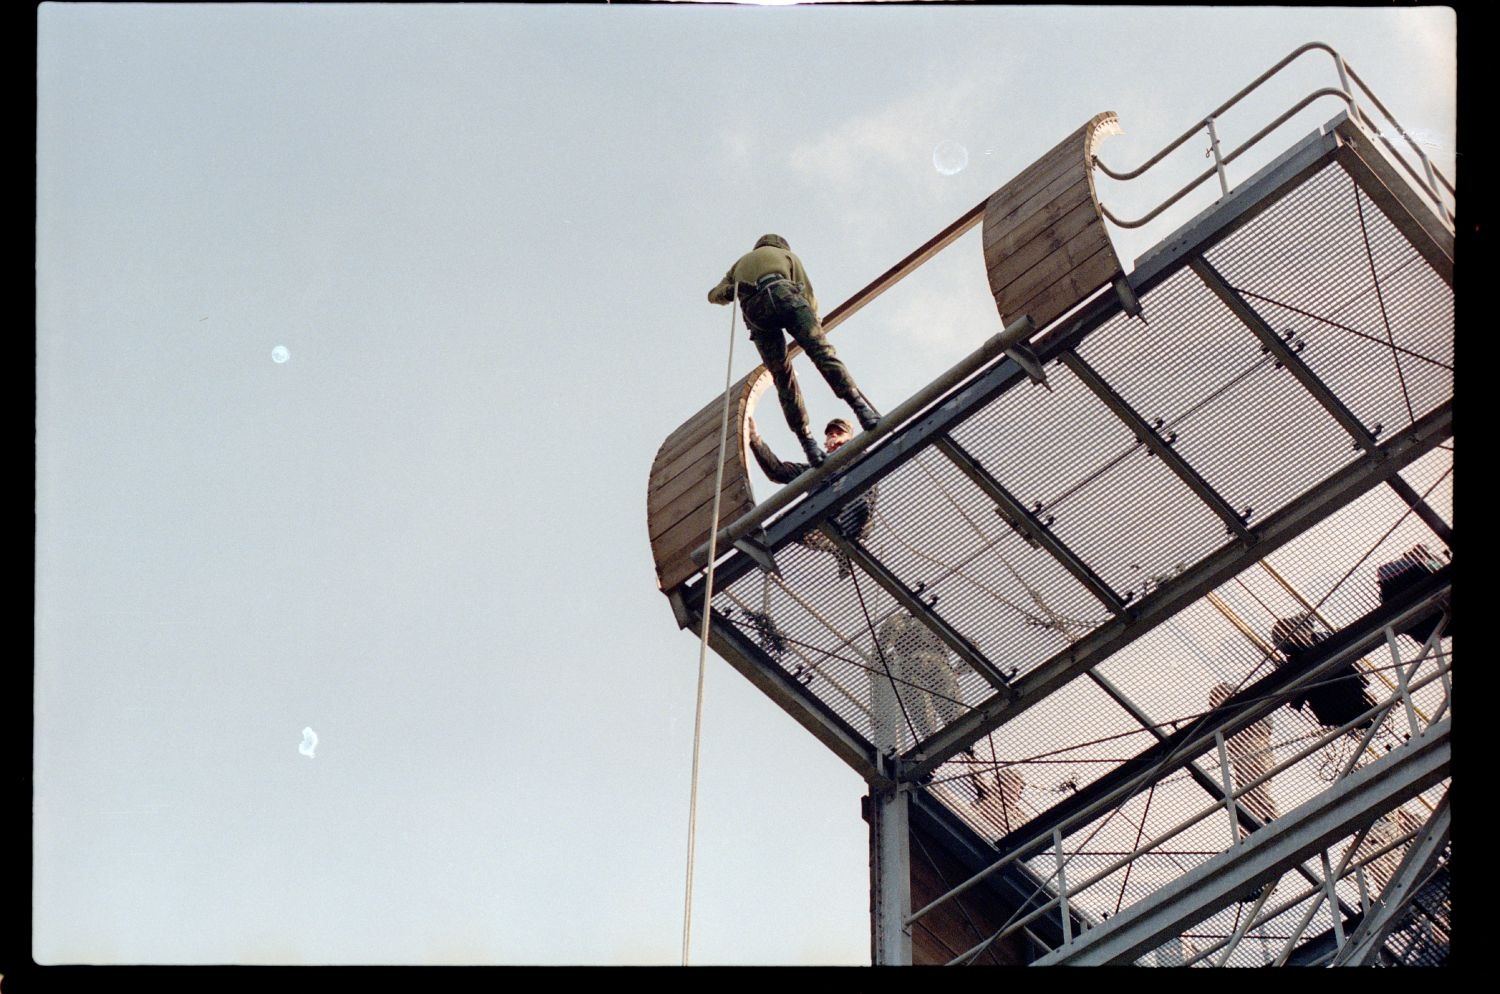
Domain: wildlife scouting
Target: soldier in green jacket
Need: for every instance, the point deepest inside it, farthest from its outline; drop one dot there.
(775, 294)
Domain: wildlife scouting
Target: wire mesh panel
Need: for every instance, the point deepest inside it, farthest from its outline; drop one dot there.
(867, 623)
(941, 536)
(1238, 417)
(1099, 491)
(830, 626)
(1018, 771)
(1362, 308)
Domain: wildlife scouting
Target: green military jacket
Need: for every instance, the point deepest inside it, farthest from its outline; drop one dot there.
(762, 262)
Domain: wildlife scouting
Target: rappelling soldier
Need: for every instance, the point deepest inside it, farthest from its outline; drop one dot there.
(775, 295)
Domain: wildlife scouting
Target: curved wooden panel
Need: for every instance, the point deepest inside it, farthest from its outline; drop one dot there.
(680, 494)
(1045, 246)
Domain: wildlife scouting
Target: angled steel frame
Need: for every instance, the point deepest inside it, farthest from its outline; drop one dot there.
(1236, 209)
(1364, 945)
(1248, 706)
(1320, 391)
(1264, 856)
(1278, 529)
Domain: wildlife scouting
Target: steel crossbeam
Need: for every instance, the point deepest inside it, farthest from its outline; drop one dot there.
(1421, 858)
(1232, 211)
(892, 585)
(1027, 525)
(1219, 567)
(1158, 446)
(1302, 832)
(1176, 750)
(1320, 391)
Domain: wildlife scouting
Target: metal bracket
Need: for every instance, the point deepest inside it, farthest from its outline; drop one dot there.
(679, 608)
(1129, 302)
(756, 547)
(1028, 361)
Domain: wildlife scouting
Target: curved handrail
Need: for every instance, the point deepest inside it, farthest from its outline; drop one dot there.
(1428, 183)
(1190, 132)
(1226, 160)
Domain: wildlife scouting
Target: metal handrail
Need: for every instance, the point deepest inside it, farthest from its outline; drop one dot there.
(1218, 166)
(1429, 182)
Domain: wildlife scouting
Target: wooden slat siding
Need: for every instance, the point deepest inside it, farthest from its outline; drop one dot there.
(1053, 266)
(680, 484)
(1063, 164)
(682, 462)
(673, 548)
(710, 415)
(681, 535)
(1067, 195)
(1057, 159)
(680, 492)
(1045, 245)
(945, 928)
(1389, 187)
(700, 428)
(695, 501)
(1056, 300)
(662, 501)
(1068, 233)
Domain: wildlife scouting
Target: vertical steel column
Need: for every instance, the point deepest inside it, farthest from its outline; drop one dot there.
(1421, 858)
(1062, 887)
(890, 868)
(1229, 805)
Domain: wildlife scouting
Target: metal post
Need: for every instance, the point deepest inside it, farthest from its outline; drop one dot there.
(1245, 922)
(1062, 887)
(890, 869)
(1405, 691)
(1329, 884)
(1234, 821)
(1213, 139)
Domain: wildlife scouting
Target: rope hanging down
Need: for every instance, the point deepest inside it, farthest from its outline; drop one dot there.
(708, 599)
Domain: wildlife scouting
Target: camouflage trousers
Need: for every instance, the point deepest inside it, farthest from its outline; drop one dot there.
(781, 306)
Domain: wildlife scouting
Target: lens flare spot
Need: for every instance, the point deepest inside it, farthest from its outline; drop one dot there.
(949, 157)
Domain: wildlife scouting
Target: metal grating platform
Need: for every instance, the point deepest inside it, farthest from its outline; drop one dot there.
(1060, 623)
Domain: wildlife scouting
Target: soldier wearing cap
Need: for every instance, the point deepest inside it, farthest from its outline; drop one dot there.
(854, 521)
(775, 295)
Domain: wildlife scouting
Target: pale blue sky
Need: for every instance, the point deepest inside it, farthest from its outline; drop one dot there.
(484, 234)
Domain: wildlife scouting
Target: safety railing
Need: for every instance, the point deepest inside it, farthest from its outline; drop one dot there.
(1428, 179)
(1057, 902)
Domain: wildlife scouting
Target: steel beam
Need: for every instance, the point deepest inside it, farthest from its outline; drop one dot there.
(1321, 392)
(890, 869)
(1217, 568)
(1024, 522)
(1246, 707)
(1250, 705)
(796, 700)
(1016, 886)
(1158, 446)
(1242, 204)
(1311, 827)
(892, 585)
(1364, 945)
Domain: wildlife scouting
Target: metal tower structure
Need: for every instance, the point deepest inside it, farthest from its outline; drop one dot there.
(1152, 665)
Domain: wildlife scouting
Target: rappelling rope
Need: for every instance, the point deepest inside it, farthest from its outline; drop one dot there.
(708, 597)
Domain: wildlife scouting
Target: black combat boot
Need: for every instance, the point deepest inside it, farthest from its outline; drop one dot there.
(868, 416)
(815, 454)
